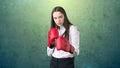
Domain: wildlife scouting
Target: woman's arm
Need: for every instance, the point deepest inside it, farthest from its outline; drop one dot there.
(50, 51)
(74, 38)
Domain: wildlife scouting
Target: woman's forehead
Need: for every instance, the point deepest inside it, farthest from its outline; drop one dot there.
(57, 13)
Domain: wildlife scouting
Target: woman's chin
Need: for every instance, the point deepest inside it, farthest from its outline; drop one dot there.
(59, 25)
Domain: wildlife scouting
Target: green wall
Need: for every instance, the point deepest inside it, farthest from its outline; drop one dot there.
(24, 25)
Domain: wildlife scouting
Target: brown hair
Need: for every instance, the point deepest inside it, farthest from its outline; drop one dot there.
(66, 23)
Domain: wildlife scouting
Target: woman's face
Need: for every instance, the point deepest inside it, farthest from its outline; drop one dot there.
(58, 18)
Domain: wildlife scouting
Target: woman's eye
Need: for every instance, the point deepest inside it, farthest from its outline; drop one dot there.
(60, 17)
(55, 18)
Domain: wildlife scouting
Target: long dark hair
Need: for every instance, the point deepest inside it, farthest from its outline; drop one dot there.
(66, 23)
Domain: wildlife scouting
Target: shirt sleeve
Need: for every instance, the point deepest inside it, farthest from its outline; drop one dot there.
(74, 38)
(50, 51)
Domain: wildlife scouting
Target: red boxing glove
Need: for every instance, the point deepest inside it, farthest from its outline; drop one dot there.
(52, 35)
(63, 44)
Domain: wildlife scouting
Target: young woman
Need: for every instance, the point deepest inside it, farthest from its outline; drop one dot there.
(63, 40)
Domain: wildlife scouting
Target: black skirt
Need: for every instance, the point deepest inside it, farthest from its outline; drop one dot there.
(62, 63)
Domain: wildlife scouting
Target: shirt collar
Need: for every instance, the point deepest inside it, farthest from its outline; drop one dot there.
(61, 30)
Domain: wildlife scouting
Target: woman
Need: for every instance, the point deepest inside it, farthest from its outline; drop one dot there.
(63, 40)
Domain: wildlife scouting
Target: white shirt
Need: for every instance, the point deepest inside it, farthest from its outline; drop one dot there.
(73, 39)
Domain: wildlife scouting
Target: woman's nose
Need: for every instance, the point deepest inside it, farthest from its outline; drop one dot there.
(58, 19)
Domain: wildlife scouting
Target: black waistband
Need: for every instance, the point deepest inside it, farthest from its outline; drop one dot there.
(63, 59)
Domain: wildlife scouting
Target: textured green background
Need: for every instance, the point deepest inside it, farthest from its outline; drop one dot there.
(24, 25)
